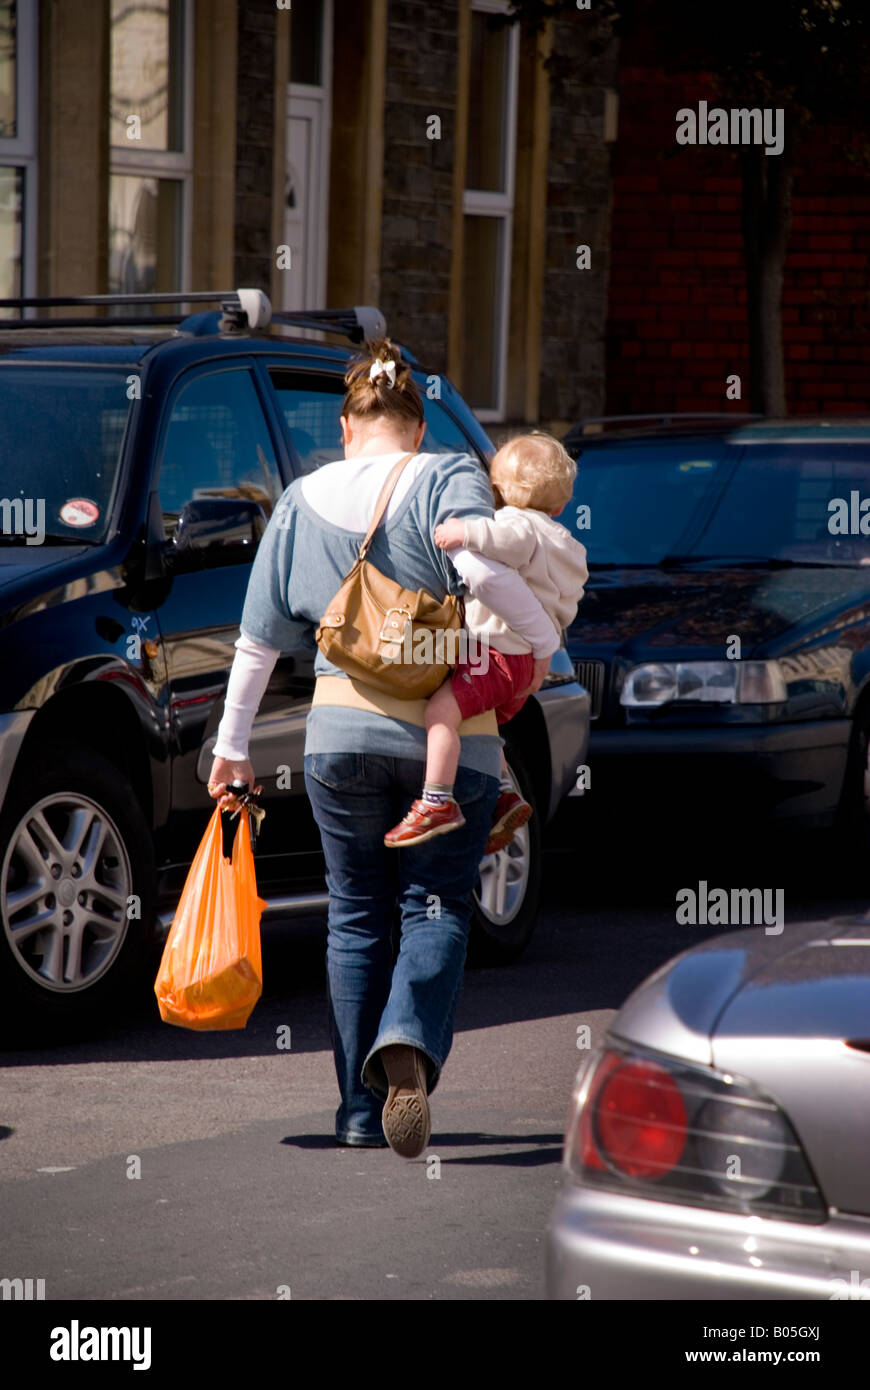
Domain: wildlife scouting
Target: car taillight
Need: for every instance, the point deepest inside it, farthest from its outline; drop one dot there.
(641, 1119)
(654, 1126)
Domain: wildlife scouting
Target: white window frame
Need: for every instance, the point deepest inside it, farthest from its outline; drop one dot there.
(19, 152)
(176, 165)
(477, 203)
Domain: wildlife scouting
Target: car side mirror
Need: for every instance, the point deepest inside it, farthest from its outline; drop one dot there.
(215, 531)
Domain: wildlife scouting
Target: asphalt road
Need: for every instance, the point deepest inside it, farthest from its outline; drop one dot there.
(241, 1192)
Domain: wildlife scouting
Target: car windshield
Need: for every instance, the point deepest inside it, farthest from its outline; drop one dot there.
(640, 498)
(61, 432)
(678, 502)
(794, 502)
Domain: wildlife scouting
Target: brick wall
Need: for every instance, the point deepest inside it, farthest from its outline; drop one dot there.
(418, 175)
(826, 299)
(574, 310)
(677, 315)
(254, 251)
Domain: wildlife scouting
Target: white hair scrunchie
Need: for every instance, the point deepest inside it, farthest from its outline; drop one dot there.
(382, 367)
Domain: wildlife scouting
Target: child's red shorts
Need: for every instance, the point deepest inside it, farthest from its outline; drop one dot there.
(475, 691)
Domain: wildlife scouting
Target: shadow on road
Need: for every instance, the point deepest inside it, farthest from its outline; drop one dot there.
(607, 920)
(548, 1147)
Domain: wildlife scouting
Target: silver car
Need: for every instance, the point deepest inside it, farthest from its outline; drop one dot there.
(719, 1140)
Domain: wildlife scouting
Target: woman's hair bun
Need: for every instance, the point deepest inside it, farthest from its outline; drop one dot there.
(388, 390)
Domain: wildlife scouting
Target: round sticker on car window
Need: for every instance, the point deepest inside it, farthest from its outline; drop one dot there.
(79, 511)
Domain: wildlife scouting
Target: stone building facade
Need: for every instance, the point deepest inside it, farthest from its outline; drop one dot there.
(426, 158)
(508, 198)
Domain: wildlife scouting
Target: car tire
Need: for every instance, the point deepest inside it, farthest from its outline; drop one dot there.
(74, 848)
(507, 897)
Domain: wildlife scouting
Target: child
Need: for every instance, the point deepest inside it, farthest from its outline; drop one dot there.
(532, 478)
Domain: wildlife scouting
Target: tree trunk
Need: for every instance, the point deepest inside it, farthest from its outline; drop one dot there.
(766, 221)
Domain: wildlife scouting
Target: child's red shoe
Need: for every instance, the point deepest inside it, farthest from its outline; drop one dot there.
(424, 820)
(510, 813)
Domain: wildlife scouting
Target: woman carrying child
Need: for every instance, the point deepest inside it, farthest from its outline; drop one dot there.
(391, 1024)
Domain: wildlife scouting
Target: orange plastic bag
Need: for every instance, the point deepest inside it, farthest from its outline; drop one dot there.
(211, 973)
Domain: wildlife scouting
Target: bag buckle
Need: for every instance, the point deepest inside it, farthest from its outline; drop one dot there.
(393, 629)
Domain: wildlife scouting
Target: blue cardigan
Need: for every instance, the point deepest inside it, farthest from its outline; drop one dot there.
(301, 562)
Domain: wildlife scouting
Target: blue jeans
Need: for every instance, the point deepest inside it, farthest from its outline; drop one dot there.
(356, 799)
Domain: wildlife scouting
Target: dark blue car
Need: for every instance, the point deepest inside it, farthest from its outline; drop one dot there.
(725, 632)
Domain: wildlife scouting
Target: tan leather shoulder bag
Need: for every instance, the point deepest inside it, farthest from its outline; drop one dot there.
(400, 642)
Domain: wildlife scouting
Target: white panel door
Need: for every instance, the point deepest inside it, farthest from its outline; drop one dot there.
(306, 199)
(300, 197)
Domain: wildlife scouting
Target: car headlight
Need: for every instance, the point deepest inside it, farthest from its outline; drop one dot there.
(714, 682)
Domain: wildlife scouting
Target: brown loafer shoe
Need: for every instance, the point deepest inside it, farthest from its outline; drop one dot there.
(422, 822)
(510, 813)
(405, 1118)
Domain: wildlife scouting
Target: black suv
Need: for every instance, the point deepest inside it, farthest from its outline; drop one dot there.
(142, 458)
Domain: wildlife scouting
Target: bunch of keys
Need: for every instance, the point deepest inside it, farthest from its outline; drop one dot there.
(245, 797)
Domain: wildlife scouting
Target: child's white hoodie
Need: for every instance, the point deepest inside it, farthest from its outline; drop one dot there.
(543, 553)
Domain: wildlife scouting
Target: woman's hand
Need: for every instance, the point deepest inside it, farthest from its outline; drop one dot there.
(223, 772)
(449, 534)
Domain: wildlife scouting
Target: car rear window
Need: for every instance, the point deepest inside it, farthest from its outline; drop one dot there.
(61, 433)
(311, 407)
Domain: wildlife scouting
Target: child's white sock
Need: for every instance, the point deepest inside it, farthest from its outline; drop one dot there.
(437, 793)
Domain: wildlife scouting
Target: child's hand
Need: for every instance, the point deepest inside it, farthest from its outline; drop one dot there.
(449, 534)
(539, 674)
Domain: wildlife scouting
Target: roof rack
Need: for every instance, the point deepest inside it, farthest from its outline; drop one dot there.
(241, 310)
(669, 417)
(363, 322)
(598, 424)
(234, 309)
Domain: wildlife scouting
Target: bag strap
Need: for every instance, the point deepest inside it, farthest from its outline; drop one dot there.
(383, 502)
